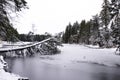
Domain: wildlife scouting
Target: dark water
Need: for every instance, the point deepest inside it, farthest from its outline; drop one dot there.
(35, 69)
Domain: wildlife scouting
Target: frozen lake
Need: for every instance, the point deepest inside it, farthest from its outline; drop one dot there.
(35, 69)
(62, 67)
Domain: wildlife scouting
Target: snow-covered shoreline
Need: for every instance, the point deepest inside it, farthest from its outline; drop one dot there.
(6, 75)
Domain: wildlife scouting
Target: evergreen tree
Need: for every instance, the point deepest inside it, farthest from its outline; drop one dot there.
(75, 28)
(67, 33)
(94, 31)
(115, 21)
(74, 38)
(105, 13)
(88, 33)
(82, 31)
(105, 19)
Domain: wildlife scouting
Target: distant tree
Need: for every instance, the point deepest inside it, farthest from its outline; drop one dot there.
(75, 28)
(37, 37)
(82, 31)
(74, 37)
(88, 33)
(59, 35)
(23, 37)
(48, 35)
(67, 34)
(30, 36)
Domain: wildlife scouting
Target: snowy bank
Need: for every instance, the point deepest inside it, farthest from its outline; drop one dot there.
(6, 75)
(79, 53)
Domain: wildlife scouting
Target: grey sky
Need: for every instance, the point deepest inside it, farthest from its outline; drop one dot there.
(53, 15)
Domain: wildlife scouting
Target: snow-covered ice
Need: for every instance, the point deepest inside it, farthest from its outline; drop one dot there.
(79, 53)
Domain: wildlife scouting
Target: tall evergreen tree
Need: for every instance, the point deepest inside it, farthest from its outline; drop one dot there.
(95, 37)
(115, 21)
(82, 31)
(105, 13)
(105, 16)
(75, 28)
(88, 33)
(74, 38)
(67, 33)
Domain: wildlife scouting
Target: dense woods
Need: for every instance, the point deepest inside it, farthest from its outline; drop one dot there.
(103, 29)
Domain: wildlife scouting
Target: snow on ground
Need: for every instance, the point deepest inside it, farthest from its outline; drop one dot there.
(79, 53)
(6, 75)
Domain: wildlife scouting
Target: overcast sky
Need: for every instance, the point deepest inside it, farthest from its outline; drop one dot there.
(53, 15)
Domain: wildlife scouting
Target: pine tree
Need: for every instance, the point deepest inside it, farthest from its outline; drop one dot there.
(95, 37)
(67, 33)
(105, 13)
(105, 17)
(74, 38)
(115, 21)
(75, 28)
(88, 33)
(82, 31)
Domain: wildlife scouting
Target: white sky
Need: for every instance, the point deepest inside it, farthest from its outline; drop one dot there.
(53, 15)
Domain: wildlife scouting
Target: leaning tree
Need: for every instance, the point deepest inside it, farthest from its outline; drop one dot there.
(7, 7)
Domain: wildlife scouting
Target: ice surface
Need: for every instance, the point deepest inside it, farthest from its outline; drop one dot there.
(81, 53)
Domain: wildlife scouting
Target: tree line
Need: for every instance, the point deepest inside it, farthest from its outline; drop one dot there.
(83, 32)
(103, 29)
(33, 37)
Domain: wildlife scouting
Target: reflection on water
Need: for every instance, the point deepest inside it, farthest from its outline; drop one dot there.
(35, 69)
